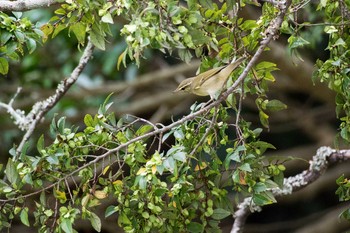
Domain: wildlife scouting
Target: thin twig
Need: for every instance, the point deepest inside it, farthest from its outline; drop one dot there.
(211, 125)
(238, 115)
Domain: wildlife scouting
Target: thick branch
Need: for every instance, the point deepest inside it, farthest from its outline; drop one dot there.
(25, 5)
(318, 165)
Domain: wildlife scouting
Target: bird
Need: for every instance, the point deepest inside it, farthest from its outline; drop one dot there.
(209, 82)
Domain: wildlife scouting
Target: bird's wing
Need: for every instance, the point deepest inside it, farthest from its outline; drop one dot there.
(207, 74)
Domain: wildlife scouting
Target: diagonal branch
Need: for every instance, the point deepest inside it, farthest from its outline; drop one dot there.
(41, 108)
(271, 33)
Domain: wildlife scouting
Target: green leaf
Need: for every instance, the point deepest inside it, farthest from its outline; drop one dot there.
(40, 144)
(60, 11)
(39, 32)
(139, 156)
(20, 36)
(95, 222)
(330, 29)
(263, 199)
(122, 58)
(220, 213)
(296, 42)
(18, 15)
(110, 210)
(266, 65)
(160, 191)
(107, 18)
(264, 119)
(178, 134)
(11, 48)
(66, 225)
(185, 55)
(79, 30)
(345, 214)
(47, 29)
(61, 123)
(97, 39)
(24, 217)
(207, 4)
(57, 29)
(259, 187)
(248, 25)
(340, 42)
(123, 219)
(31, 45)
(4, 37)
(180, 156)
(53, 127)
(166, 136)
(143, 130)
(142, 182)
(169, 163)
(323, 3)
(245, 167)
(105, 106)
(11, 172)
(275, 105)
(6, 189)
(279, 179)
(263, 146)
(89, 121)
(235, 155)
(53, 160)
(145, 214)
(191, 4)
(4, 66)
(195, 227)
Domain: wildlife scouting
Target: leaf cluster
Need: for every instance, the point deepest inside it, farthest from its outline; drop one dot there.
(17, 35)
(180, 188)
(335, 70)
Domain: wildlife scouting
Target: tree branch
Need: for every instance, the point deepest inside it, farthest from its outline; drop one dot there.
(17, 115)
(318, 165)
(41, 108)
(270, 33)
(25, 5)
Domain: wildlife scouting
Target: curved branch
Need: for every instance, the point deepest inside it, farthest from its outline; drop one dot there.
(318, 165)
(25, 5)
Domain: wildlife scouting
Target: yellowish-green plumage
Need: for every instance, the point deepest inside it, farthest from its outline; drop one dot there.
(209, 82)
